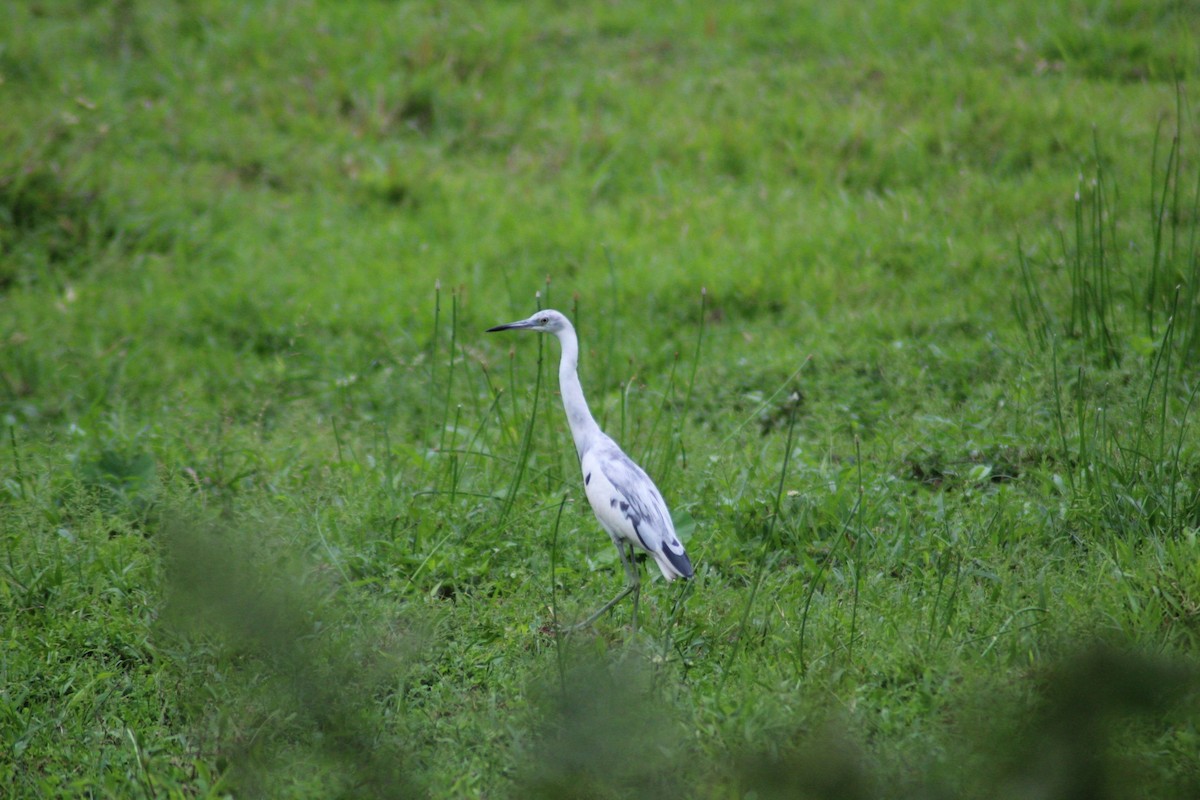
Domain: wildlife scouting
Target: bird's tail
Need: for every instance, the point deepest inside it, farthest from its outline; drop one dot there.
(673, 565)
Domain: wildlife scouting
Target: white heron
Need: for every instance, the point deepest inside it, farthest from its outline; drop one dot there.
(626, 502)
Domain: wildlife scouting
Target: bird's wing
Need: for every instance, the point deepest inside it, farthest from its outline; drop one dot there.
(629, 506)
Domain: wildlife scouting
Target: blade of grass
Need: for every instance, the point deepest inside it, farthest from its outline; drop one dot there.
(527, 438)
(767, 547)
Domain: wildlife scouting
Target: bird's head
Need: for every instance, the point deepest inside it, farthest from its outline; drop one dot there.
(545, 321)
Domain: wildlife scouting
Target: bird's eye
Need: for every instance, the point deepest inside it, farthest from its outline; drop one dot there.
(544, 321)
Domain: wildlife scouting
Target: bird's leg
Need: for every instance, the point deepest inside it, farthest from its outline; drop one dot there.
(632, 585)
(635, 581)
(587, 622)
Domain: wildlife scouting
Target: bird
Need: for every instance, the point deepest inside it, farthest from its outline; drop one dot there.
(626, 502)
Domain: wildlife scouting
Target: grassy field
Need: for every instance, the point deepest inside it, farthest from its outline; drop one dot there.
(898, 302)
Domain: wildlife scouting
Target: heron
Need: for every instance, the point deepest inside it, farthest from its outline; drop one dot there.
(625, 501)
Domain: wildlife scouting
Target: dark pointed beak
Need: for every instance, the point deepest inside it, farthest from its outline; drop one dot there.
(509, 326)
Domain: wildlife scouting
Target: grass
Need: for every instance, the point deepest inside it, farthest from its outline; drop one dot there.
(897, 302)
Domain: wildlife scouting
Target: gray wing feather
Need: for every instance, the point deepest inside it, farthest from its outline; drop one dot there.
(642, 505)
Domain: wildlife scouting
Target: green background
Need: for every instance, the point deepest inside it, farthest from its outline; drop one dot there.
(896, 301)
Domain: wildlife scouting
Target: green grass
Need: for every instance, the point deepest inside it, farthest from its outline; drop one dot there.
(898, 302)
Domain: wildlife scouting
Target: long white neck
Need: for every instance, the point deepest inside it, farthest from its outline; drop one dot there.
(584, 429)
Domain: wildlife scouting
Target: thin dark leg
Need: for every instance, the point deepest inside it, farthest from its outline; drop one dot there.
(635, 580)
(632, 586)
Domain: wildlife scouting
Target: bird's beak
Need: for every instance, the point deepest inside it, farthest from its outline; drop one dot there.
(525, 323)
